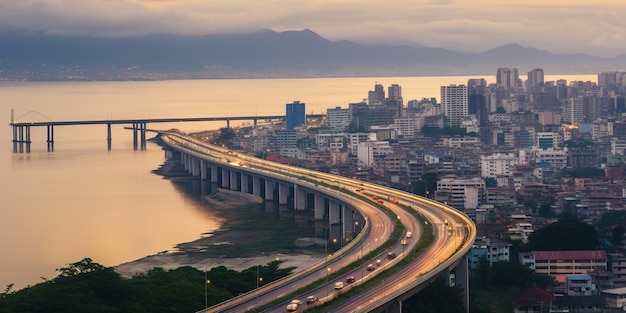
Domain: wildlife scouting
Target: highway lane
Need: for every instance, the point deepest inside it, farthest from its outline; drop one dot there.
(381, 226)
(441, 252)
(362, 274)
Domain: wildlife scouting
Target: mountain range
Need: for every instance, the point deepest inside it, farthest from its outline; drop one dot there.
(262, 54)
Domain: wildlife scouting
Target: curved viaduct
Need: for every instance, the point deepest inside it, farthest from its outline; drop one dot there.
(344, 205)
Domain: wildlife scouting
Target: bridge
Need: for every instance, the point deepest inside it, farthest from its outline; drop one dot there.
(372, 222)
(22, 130)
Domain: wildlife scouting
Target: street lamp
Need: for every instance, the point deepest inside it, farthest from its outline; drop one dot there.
(207, 281)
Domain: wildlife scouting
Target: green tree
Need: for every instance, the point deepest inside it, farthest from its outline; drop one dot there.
(511, 274)
(436, 298)
(612, 218)
(83, 266)
(225, 136)
(545, 281)
(566, 234)
(617, 235)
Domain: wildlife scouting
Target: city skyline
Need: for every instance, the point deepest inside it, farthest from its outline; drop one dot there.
(560, 27)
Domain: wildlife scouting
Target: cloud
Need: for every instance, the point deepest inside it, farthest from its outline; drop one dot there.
(558, 26)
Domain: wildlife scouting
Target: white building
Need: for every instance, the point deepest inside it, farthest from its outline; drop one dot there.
(600, 129)
(492, 250)
(367, 151)
(457, 142)
(333, 142)
(454, 103)
(354, 139)
(407, 127)
(470, 123)
(521, 231)
(460, 193)
(556, 158)
(573, 110)
(618, 146)
(615, 298)
(499, 164)
(338, 118)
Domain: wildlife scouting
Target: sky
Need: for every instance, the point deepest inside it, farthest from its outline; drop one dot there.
(561, 26)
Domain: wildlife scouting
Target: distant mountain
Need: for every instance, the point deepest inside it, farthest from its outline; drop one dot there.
(36, 56)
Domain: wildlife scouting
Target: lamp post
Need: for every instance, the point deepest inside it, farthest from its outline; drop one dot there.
(207, 281)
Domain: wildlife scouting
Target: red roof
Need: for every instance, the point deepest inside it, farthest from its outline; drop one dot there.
(571, 255)
(533, 296)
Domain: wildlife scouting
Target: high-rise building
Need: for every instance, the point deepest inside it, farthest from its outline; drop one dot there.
(338, 118)
(476, 102)
(535, 79)
(395, 92)
(295, 115)
(506, 82)
(376, 96)
(573, 109)
(394, 100)
(454, 103)
(507, 77)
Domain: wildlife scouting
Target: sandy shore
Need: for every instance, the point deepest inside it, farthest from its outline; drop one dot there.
(197, 254)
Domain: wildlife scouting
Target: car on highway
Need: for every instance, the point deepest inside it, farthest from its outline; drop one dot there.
(339, 285)
(312, 299)
(409, 234)
(370, 267)
(291, 307)
(391, 255)
(350, 279)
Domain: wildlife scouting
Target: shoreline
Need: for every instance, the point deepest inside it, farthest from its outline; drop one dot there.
(199, 253)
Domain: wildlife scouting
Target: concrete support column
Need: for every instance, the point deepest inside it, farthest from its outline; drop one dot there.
(195, 167)
(396, 306)
(233, 179)
(348, 221)
(214, 173)
(256, 185)
(184, 158)
(461, 279)
(244, 183)
(319, 206)
(204, 175)
(300, 195)
(269, 189)
(225, 178)
(334, 212)
(283, 193)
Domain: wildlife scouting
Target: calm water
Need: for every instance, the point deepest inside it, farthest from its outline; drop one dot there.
(83, 201)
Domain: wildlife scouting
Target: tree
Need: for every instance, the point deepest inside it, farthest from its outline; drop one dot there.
(436, 298)
(617, 235)
(545, 281)
(83, 266)
(566, 234)
(226, 135)
(511, 274)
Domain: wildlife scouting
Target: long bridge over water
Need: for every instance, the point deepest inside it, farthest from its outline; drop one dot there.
(22, 130)
(338, 202)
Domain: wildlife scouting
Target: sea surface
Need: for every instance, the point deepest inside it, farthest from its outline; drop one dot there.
(82, 200)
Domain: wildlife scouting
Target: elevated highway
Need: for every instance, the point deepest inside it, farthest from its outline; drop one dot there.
(345, 203)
